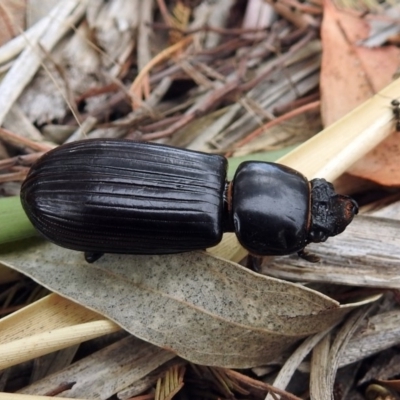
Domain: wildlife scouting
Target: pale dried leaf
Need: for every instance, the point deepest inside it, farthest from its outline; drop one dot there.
(365, 254)
(106, 372)
(292, 363)
(378, 333)
(342, 337)
(205, 309)
(319, 387)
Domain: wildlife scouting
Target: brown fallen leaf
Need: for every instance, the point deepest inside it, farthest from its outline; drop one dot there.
(12, 19)
(207, 310)
(351, 74)
(381, 165)
(391, 383)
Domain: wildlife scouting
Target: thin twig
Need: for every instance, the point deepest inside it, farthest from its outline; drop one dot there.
(291, 114)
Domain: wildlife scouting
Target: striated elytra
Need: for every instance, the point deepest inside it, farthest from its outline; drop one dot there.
(119, 196)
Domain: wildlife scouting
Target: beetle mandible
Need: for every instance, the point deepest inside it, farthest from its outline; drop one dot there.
(119, 196)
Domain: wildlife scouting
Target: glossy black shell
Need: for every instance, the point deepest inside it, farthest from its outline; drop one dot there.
(119, 196)
(271, 208)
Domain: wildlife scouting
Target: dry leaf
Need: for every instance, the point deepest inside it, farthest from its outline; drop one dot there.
(381, 165)
(105, 372)
(391, 383)
(207, 310)
(365, 255)
(12, 19)
(379, 332)
(350, 74)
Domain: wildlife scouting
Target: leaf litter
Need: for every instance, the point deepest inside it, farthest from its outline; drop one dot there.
(207, 310)
(235, 79)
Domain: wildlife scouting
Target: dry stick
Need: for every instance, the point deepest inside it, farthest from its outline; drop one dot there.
(208, 102)
(135, 87)
(300, 20)
(208, 28)
(13, 177)
(24, 160)
(260, 385)
(17, 140)
(164, 12)
(284, 108)
(305, 8)
(278, 63)
(159, 124)
(205, 56)
(291, 114)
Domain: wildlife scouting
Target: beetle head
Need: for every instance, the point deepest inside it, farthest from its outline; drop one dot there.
(330, 212)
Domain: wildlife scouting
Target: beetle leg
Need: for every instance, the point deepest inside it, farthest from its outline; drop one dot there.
(308, 256)
(254, 262)
(91, 257)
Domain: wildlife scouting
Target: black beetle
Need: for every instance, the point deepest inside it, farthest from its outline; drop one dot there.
(119, 196)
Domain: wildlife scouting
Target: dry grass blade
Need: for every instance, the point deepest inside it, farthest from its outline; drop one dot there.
(17, 140)
(325, 359)
(318, 380)
(49, 324)
(289, 368)
(37, 345)
(136, 87)
(253, 383)
(378, 333)
(168, 386)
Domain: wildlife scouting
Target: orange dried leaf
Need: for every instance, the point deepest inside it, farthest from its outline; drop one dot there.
(12, 19)
(350, 73)
(381, 165)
